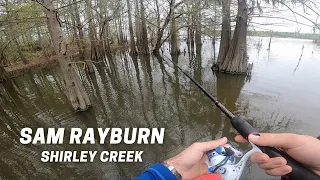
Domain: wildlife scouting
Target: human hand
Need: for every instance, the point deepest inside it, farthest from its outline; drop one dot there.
(304, 149)
(190, 163)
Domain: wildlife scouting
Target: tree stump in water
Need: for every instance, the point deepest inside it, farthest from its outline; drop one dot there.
(236, 59)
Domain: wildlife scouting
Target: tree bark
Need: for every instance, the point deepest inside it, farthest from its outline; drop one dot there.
(81, 40)
(225, 33)
(174, 40)
(214, 33)
(76, 38)
(161, 29)
(40, 39)
(92, 32)
(133, 49)
(104, 29)
(21, 55)
(73, 87)
(137, 23)
(107, 38)
(191, 34)
(237, 59)
(188, 39)
(2, 64)
(144, 32)
(121, 34)
(198, 30)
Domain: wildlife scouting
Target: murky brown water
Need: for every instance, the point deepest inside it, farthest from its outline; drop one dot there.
(128, 92)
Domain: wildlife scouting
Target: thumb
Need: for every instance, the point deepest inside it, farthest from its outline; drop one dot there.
(207, 146)
(285, 141)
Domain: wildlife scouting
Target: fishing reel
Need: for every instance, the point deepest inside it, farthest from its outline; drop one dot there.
(223, 160)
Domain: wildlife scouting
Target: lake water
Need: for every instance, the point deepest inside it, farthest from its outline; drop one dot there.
(282, 95)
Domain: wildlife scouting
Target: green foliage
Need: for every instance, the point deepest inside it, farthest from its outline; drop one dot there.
(19, 22)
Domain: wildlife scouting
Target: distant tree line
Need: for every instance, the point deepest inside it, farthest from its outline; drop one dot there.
(284, 34)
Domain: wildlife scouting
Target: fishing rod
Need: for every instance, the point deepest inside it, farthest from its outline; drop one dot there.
(299, 171)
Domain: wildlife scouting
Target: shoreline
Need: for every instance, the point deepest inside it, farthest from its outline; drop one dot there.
(20, 68)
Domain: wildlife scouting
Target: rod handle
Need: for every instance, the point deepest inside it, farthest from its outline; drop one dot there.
(299, 171)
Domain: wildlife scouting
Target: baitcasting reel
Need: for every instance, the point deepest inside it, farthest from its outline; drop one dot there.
(222, 160)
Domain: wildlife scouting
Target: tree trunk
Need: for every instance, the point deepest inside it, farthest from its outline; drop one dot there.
(198, 31)
(40, 39)
(2, 73)
(81, 40)
(161, 29)
(237, 59)
(107, 38)
(192, 34)
(158, 41)
(121, 35)
(92, 32)
(137, 24)
(76, 38)
(225, 33)
(103, 19)
(174, 40)
(133, 49)
(104, 29)
(188, 39)
(73, 87)
(144, 33)
(21, 55)
(2, 64)
(66, 26)
(214, 32)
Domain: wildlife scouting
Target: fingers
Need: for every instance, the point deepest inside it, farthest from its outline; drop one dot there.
(285, 141)
(273, 166)
(207, 146)
(281, 171)
(259, 158)
(273, 163)
(240, 139)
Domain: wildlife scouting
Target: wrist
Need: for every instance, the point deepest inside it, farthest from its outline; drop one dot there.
(171, 163)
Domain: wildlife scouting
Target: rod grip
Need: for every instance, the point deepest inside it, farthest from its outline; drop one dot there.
(298, 170)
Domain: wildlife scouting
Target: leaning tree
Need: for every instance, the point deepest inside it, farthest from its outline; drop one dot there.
(74, 89)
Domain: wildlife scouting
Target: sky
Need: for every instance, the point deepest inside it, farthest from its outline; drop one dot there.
(283, 20)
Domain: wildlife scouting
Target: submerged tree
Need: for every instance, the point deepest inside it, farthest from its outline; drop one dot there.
(95, 28)
(73, 87)
(133, 49)
(236, 59)
(144, 33)
(174, 40)
(161, 27)
(225, 33)
(198, 28)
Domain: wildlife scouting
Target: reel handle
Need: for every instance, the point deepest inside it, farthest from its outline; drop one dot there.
(299, 171)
